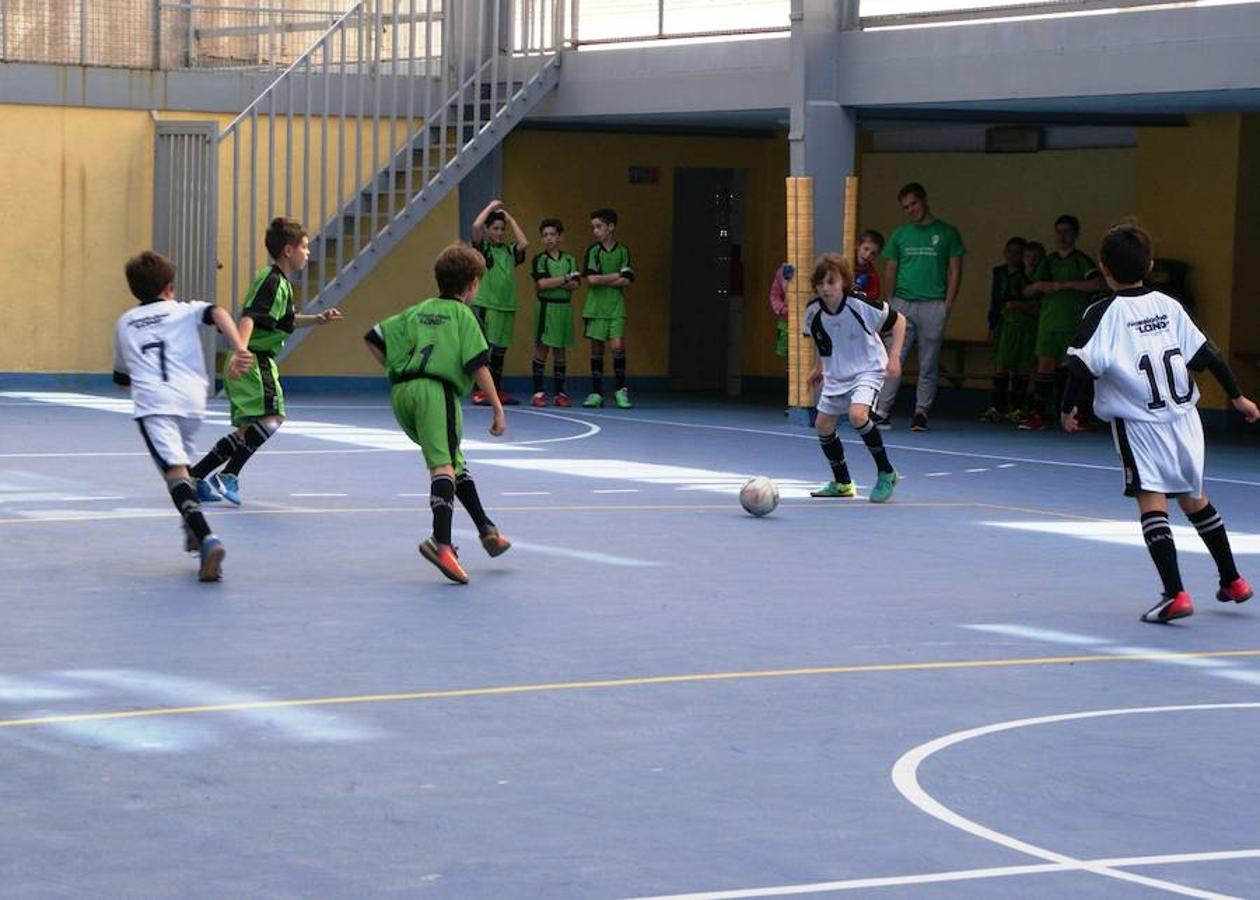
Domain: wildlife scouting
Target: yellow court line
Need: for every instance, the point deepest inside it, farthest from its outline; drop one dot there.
(553, 687)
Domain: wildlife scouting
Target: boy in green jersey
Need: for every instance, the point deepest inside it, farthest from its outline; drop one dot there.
(1012, 331)
(607, 273)
(433, 353)
(268, 317)
(495, 305)
(1065, 282)
(556, 277)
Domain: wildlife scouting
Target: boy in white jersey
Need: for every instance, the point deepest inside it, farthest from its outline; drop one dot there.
(157, 353)
(848, 331)
(1141, 346)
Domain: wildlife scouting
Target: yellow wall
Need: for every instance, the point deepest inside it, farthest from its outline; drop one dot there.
(992, 197)
(1191, 211)
(1245, 321)
(78, 200)
(568, 174)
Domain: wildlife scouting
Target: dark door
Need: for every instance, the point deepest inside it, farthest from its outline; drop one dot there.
(708, 207)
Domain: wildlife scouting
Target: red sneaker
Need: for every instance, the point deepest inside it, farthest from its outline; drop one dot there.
(480, 398)
(539, 399)
(1169, 608)
(1034, 422)
(508, 400)
(495, 543)
(1237, 591)
(443, 556)
(562, 400)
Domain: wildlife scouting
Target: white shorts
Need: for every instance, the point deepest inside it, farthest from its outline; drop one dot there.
(864, 392)
(1161, 457)
(169, 439)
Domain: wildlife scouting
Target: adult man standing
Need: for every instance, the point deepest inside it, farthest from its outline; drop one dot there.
(925, 270)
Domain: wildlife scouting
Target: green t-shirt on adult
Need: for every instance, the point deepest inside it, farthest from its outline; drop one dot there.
(603, 301)
(1076, 266)
(922, 254)
(498, 285)
(438, 338)
(547, 266)
(269, 302)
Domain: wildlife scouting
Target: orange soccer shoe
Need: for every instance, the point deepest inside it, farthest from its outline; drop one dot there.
(445, 558)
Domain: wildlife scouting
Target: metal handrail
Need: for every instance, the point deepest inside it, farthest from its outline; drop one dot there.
(308, 54)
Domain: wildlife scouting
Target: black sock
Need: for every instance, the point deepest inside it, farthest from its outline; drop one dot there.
(1211, 528)
(1043, 391)
(1018, 387)
(559, 369)
(466, 490)
(184, 495)
(597, 374)
(875, 443)
(834, 451)
(619, 368)
(219, 454)
(1001, 392)
(537, 367)
(442, 502)
(497, 355)
(1159, 541)
(247, 444)
(1060, 387)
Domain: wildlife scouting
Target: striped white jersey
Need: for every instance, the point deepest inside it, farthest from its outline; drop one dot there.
(1137, 344)
(158, 346)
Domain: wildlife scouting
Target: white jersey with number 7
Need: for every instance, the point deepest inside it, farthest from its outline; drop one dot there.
(158, 346)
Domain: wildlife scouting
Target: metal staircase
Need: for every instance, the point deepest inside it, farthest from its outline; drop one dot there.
(367, 131)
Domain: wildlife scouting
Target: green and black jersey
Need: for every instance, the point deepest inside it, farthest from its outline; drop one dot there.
(498, 285)
(547, 266)
(438, 339)
(269, 303)
(605, 301)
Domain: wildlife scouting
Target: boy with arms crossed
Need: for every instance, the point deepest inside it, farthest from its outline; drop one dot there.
(555, 274)
(607, 273)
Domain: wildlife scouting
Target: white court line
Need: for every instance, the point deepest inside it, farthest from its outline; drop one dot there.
(857, 884)
(935, 474)
(615, 491)
(606, 559)
(1228, 669)
(1006, 465)
(1128, 534)
(905, 777)
(976, 470)
(910, 447)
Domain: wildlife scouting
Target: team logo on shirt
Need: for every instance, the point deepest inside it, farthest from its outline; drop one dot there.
(432, 318)
(936, 239)
(148, 321)
(1149, 324)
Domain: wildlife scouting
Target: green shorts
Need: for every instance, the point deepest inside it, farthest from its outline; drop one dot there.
(430, 414)
(605, 329)
(1016, 348)
(1053, 343)
(496, 325)
(554, 324)
(781, 337)
(256, 394)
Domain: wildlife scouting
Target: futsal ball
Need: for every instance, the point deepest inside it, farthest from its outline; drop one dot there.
(759, 496)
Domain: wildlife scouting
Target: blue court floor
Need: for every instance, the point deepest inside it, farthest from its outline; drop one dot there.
(653, 694)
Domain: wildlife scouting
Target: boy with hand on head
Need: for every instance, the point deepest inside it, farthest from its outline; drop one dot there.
(268, 317)
(433, 353)
(495, 305)
(852, 363)
(608, 271)
(158, 355)
(556, 277)
(1139, 347)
